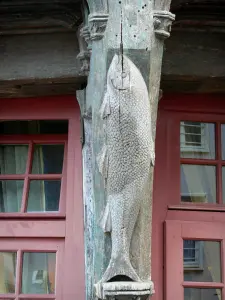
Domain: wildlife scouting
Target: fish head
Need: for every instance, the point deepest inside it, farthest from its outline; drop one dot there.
(119, 73)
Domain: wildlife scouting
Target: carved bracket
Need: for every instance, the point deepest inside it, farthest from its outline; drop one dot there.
(97, 25)
(85, 33)
(125, 290)
(84, 54)
(162, 23)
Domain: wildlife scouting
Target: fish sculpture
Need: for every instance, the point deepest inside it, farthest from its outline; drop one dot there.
(125, 159)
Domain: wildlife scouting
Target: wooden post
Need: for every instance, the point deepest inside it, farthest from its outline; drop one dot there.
(135, 31)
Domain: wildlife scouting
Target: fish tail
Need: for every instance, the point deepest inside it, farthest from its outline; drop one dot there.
(120, 266)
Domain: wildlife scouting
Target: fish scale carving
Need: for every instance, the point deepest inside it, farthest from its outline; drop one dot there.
(125, 159)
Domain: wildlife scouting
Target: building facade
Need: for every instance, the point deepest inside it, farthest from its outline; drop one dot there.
(112, 152)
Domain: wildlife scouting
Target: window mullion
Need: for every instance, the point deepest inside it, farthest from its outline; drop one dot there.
(18, 273)
(25, 194)
(219, 193)
(219, 165)
(26, 180)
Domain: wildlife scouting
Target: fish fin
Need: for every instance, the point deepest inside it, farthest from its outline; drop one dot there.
(153, 158)
(102, 161)
(120, 266)
(106, 222)
(152, 153)
(105, 107)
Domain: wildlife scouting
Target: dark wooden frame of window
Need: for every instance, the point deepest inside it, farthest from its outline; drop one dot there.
(166, 195)
(67, 225)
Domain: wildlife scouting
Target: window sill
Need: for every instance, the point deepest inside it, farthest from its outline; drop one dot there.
(44, 215)
(198, 207)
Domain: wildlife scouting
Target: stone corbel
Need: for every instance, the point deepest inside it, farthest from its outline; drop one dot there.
(84, 54)
(162, 23)
(97, 25)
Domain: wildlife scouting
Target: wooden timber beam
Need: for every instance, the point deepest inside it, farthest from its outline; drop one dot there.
(23, 16)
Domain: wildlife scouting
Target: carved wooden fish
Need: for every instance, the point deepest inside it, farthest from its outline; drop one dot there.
(125, 159)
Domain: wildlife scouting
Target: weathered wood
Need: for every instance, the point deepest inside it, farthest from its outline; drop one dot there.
(45, 87)
(39, 14)
(37, 65)
(39, 56)
(194, 54)
(199, 14)
(194, 63)
(190, 84)
(130, 31)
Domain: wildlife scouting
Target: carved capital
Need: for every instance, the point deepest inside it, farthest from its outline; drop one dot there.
(162, 23)
(97, 25)
(124, 290)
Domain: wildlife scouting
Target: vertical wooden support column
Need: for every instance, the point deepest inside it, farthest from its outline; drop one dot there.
(136, 30)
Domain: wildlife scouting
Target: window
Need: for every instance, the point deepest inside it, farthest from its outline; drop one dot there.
(189, 196)
(24, 269)
(207, 283)
(41, 209)
(32, 170)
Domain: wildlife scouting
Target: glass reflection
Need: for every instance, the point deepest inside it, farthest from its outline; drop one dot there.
(11, 192)
(202, 294)
(44, 195)
(201, 261)
(48, 159)
(38, 273)
(198, 183)
(197, 140)
(13, 159)
(7, 272)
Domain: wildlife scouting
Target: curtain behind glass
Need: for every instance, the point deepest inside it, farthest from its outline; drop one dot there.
(13, 161)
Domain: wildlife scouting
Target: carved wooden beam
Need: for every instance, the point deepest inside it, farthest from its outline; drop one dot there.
(199, 15)
(123, 86)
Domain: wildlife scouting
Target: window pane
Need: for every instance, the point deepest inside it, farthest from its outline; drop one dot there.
(13, 159)
(48, 159)
(223, 181)
(7, 272)
(198, 183)
(202, 294)
(202, 261)
(44, 195)
(197, 140)
(38, 273)
(11, 192)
